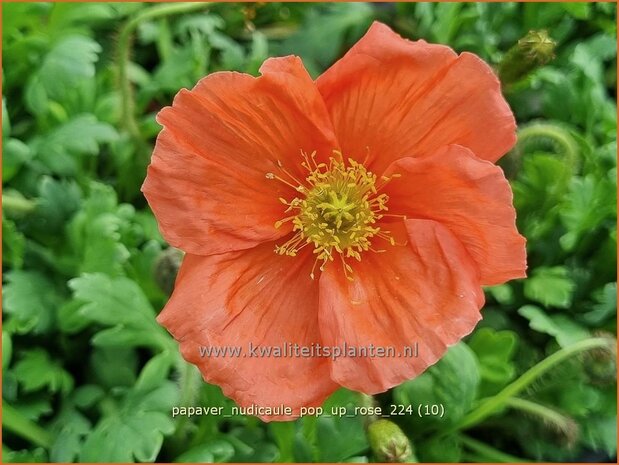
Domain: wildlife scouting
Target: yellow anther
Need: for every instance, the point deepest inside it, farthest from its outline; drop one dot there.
(337, 211)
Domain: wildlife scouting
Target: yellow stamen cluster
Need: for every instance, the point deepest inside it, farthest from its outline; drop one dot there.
(337, 210)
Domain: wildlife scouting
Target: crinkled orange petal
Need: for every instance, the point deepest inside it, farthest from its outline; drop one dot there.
(391, 98)
(469, 196)
(251, 296)
(207, 180)
(425, 292)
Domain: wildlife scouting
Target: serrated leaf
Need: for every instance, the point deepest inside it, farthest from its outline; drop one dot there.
(561, 327)
(136, 432)
(13, 244)
(95, 236)
(121, 304)
(60, 149)
(57, 203)
(30, 298)
(71, 59)
(550, 286)
(605, 306)
(35, 371)
(70, 428)
(589, 202)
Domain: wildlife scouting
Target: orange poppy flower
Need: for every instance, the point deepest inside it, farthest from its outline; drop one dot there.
(362, 208)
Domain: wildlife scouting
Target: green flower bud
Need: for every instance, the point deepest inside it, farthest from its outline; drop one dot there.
(389, 443)
(532, 51)
(166, 269)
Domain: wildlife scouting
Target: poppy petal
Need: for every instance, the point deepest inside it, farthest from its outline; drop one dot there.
(207, 181)
(469, 196)
(426, 293)
(391, 98)
(252, 297)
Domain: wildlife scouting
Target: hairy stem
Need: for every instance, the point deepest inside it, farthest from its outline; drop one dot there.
(491, 405)
(561, 140)
(124, 53)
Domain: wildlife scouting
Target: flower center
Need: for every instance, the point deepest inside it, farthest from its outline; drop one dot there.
(336, 211)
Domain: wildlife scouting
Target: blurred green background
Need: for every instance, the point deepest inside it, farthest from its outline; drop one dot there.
(88, 375)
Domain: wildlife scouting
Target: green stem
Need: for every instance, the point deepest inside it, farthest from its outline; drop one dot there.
(12, 204)
(189, 381)
(488, 452)
(548, 414)
(489, 406)
(124, 52)
(14, 421)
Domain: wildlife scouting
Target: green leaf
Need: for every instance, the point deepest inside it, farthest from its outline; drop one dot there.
(35, 370)
(600, 433)
(94, 233)
(284, 434)
(446, 449)
(121, 304)
(113, 367)
(60, 149)
(561, 327)
(605, 306)
(37, 455)
(589, 202)
(503, 293)
(34, 406)
(6, 123)
(7, 350)
(70, 427)
(155, 371)
(453, 382)
(340, 438)
(136, 430)
(86, 395)
(13, 244)
(578, 10)
(216, 451)
(550, 286)
(319, 40)
(57, 203)
(70, 60)
(15, 153)
(30, 298)
(494, 350)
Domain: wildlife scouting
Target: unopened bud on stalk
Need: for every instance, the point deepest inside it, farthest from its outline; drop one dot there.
(532, 51)
(166, 268)
(389, 443)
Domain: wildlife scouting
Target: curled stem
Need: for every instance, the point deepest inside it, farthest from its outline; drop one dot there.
(561, 140)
